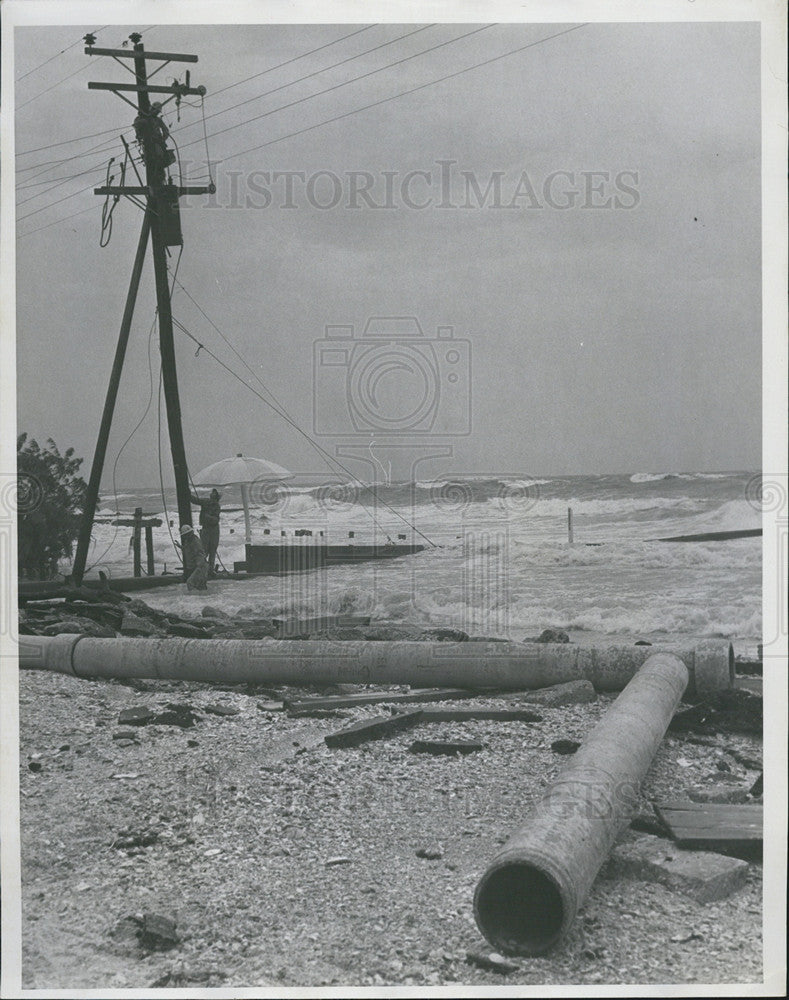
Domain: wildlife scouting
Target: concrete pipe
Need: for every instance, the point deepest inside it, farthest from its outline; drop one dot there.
(528, 898)
(506, 666)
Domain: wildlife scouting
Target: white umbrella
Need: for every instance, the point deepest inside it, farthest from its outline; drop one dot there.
(241, 471)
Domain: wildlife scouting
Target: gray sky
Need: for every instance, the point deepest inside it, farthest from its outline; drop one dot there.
(620, 333)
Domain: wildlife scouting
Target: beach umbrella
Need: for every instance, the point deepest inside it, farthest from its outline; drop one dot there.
(241, 470)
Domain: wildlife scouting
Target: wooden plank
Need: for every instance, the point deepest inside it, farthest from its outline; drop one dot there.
(446, 748)
(297, 705)
(712, 536)
(483, 714)
(372, 729)
(716, 825)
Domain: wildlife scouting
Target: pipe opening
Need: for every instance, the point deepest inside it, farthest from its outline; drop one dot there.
(519, 909)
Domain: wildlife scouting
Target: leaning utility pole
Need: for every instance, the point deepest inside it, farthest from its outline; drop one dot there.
(162, 220)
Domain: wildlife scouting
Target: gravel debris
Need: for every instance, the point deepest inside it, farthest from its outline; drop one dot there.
(283, 863)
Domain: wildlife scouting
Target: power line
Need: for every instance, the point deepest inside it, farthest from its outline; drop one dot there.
(346, 114)
(279, 409)
(294, 59)
(46, 61)
(355, 79)
(403, 93)
(64, 142)
(100, 147)
(69, 76)
(316, 72)
(52, 204)
(56, 183)
(57, 222)
(30, 100)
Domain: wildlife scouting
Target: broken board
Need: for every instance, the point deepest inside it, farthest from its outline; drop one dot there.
(298, 706)
(372, 729)
(713, 826)
(447, 748)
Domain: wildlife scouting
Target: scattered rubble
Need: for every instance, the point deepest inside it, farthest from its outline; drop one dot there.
(550, 635)
(173, 715)
(492, 962)
(432, 853)
(702, 875)
(135, 716)
(720, 793)
(281, 843)
(157, 933)
(732, 711)
(578, 692)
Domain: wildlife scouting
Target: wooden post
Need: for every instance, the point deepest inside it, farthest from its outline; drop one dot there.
(149, 547)
(247, 522)
(570, 525)
(151, 136)
(91, 497)
(154, 172)
(136, 543)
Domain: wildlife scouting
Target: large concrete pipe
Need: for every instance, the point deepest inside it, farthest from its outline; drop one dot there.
(529, 895)
(508, 666)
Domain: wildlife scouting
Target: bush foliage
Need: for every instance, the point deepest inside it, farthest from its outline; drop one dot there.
(50, 498)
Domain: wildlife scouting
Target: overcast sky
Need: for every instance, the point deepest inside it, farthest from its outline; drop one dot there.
(593, 242)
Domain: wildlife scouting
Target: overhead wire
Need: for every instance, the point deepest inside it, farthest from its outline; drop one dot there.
(100, 147)
(287, 62)
(62, 142)
(282, 412)
(24, 104)
(317, 72)
(43, 208)
(403, 93)
(55, 184)
(345, 83)
(56, 222)
(63, 80)
(354, 111)
(55, 56)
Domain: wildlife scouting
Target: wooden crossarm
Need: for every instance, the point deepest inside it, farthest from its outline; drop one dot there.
(131, 54)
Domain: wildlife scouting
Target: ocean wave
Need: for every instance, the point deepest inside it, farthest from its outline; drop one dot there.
(655, 477)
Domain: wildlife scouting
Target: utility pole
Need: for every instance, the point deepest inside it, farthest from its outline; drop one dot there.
(162, 220)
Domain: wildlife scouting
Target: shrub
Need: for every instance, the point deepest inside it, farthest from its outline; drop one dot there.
(50, 498)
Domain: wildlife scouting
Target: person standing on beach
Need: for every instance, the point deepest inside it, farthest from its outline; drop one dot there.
(210, 512)
(195, 565)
